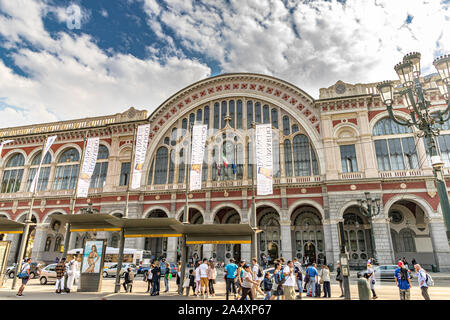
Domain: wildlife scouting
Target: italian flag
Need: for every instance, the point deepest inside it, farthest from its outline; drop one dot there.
(225, 160)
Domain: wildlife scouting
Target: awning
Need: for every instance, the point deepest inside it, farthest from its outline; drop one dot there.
(216, 233)
(88, 222)
(148, 228)
(9, 226)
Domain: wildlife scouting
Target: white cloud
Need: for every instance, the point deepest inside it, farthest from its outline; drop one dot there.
(70, 77)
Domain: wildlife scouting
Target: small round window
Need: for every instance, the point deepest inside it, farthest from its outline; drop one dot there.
(396, 217)
(355, 256)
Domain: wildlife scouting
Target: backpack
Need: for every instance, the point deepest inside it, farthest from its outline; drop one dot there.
(279, 278)
(429, 281)
(259, 274)
(299, 273)
(403, 274)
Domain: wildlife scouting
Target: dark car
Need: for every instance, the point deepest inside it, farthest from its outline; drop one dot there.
(34, 270)
(383, 272)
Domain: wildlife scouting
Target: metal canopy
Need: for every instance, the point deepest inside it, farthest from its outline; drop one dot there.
(10, 226)
(88, 222)
(216, 233)
(148, 227)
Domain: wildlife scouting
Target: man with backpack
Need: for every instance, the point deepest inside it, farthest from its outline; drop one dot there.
(258, 276)
(403, 282)
(279, 281)
(425, 281)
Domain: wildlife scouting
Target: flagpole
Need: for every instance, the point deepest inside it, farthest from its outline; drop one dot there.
(74, 197)
(24, 242)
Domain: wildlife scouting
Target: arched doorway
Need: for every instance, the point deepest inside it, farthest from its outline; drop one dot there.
(224, 252)
(410, 233)
(195, 251)
(52, 245)
(357, 238)
(157, 246)
(307, 235)
(269, 238)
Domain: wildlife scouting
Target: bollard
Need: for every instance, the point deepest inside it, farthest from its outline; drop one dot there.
(363, 289)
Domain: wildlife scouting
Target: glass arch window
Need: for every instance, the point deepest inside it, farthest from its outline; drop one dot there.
(274, 115)
(67, 170)
(239, 114)
(302, 156)
(287, 158)
(249, 114)
(216, 116)
(161, 160)
(206, 116)
(181, 166)
(12, 175)
(231, 112)
(44, 175)
(387, 126)
(266, 114)
(286, 126)
(224, 111)
(101, 168)
(258, 113)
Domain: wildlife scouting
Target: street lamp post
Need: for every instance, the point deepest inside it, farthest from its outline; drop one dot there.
(370, 208)
(419, 110)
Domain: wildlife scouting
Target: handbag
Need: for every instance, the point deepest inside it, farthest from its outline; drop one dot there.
(186, 283)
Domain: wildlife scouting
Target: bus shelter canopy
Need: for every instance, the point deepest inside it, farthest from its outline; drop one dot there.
(148, 227)
(88, 222)
(216, 233)
(9, 226)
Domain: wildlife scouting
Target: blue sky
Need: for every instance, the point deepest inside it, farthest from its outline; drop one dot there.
(70, 59)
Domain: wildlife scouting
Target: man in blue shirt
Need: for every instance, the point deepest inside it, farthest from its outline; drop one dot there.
(313, 274)
(230, 277)
(403, 282)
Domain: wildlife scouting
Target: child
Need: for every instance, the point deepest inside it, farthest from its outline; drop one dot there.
(267, 286)
(191, 282)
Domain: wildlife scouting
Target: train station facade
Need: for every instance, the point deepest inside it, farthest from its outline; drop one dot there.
(327, 153)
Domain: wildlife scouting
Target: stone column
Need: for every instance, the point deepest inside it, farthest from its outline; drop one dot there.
(40, 238)
(331, 241)
(383, 242)
(286, 242)
(245, 252)
(332, 164)
(172, 249)
(441, 249)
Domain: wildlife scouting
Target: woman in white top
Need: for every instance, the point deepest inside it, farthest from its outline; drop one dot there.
(372, 280)
(149, 276)
(197, 277)
(247, 283)
(325, 276)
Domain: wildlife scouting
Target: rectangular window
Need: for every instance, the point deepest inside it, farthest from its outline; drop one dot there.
(124, 173)
(382, 153)
(348, 158)
(396, 154)
(410, 153)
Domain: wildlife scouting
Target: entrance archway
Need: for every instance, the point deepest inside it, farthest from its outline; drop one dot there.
(357, 237)
(309, 252)
(224, 252)
(269, 222)
(157, 246)
(195, 251)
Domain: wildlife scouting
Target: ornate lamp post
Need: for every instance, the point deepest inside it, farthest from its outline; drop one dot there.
(419, 110)
(370, 208)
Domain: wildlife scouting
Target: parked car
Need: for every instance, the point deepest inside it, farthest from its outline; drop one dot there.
(48, 274)
(34, 270)
(112, 270)
(383, 272)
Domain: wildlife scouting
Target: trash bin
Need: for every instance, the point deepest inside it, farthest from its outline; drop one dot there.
(330, 266)
(363, 289)
(434, 268)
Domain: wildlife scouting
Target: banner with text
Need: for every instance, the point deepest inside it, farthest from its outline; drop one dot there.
(264, 160)
(2, 144)
(143, 132)
(197, 154)
(90, 158)
(48, 144)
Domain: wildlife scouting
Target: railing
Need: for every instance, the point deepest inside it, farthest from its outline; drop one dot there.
(351, 175)
(401, 173)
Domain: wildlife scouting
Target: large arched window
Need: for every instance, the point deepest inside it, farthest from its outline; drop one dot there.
(394, 153)
(303, 156)
(101, 168)
(67, 170)
(162, 158)
(44, 175)
(12, 175)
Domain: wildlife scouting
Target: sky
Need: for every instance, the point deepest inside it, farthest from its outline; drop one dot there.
(62, 60)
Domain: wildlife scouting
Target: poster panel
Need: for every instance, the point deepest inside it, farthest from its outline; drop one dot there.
(198, 150)
(143, 132)
(92, 256)
(264, 159)
(87, 169)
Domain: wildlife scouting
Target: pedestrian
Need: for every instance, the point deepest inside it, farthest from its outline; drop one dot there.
(372, 280)
(403, 281)
(311, 271)
(203, 270)
(325, 277)
(148, 277)
(239, 275)
(413, 262)
(178, 272)
(167, 277)
(128, 280)
(421, 275)
(197, 278)
(230, 278)
(339, 278)
(247, 283)
(212, 274)
(267, 286)
(279, 280)
(156, 276)
(258, 276)
(60, 270)
(298, 271)
(191, 283)
(289, 284)
(72, 270)
(24, 275)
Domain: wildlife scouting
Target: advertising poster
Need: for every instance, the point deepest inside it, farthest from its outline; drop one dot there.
(48, 144)
(92, 256)
(139, 156)
(90, 159)
(198, 151)
(264, 159)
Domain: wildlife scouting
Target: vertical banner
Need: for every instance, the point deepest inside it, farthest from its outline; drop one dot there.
(139, 155)
(2, 144)
(87, 169)
(197, 154)
(48, 144)
(264, 159)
